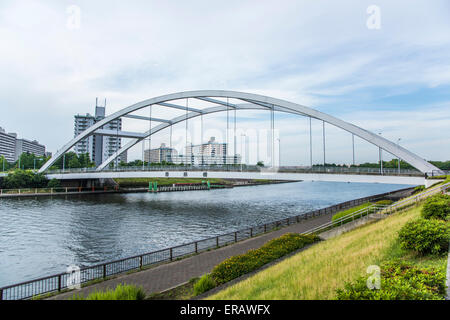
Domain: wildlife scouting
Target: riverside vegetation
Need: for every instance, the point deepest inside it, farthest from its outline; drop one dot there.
(409, 247)
(336, 268)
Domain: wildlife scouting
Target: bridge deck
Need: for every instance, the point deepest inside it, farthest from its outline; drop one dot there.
(407, 180)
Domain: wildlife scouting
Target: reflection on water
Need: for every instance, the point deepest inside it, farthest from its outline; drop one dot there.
(43, 236)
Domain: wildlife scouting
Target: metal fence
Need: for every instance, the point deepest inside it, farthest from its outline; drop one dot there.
(54, 191)
(60, 282)
(382, 209)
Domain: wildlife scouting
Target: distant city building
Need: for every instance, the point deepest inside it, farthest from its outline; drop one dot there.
(48, 154)
(27, 146)
(11, 147)
(99, 147)
(161, 154)
(8, 145)
(209, 154)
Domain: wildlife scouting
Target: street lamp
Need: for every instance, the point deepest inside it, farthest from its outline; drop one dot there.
(279, 152)
(381, 158)
(242, 155)
(398, 144)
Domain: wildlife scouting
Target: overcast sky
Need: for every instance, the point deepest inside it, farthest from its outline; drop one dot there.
(384, 68)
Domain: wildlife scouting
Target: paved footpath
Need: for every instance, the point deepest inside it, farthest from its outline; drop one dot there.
(172, 274)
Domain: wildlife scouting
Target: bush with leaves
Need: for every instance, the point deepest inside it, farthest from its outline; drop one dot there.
(425, 236)
(121, 292)
(398, 281)
(437, 207)
(54, 183)
(418, 189)
(24, 179)
(205, 283)
(239, 265)
(384, 202)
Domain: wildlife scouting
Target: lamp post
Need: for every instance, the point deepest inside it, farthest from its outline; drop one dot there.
(242, 156)
(381, 158)
(279, 152)
(398, 144)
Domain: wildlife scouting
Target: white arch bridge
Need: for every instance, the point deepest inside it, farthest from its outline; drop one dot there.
(218, 101)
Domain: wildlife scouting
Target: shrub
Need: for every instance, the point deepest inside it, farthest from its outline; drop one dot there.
(384, 202)
(236, 266)
(399, 281)
(121, 292)
(347, 212)
(54, 183)
(425, 236)
(418, 189)
(437, 207)
(205, 283)
(24, 179)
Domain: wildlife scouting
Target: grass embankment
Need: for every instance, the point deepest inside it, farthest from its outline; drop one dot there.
(121, 292)
(318, 272)
(343, 213)
(143, 182)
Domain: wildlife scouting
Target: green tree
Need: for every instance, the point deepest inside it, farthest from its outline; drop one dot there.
(4, 165)
(24, 179)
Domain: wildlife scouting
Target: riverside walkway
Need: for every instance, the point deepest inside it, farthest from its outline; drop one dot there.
(167, 276)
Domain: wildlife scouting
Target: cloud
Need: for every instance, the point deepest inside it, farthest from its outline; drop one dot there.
(316, 53)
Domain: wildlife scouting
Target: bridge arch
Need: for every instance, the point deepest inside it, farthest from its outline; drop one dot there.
(249, 101)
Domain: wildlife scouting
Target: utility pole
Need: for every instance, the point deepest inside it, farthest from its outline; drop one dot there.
(279, 152)
(323, 131)
(353, 147)
(310, 143)
(242, 155)
(398, 144)
(381, 157)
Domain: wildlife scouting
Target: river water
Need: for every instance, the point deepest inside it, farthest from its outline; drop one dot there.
(42, 236)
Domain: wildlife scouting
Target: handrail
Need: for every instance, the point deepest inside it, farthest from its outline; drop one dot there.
(376, 208)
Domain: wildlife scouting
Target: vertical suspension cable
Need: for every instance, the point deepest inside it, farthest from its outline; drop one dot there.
(353, 147)
(143, 151)
(171, 149)
(187, 105)
(234, 140)
(226, 146)
(310, 143)
(201, 138)
(272, 124)
(150, 138)
(323, 133)
(117, 142)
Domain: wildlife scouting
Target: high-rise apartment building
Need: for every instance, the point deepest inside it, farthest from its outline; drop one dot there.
(161, 154)
(27, 146)
(99, 147)
(8, 145)
(11, 147)
(210, 153)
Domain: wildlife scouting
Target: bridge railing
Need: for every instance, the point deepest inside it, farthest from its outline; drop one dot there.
(386, 209)
(253, 168)
(60, 282)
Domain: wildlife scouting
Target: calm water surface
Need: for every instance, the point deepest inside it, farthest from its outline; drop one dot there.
(43, 236)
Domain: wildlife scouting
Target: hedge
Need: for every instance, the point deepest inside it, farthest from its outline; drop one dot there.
(121, 292)
(384, 202)
(398, 281)
(437, 206)
(347, 212)
(239, 265)
(425, 236)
